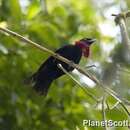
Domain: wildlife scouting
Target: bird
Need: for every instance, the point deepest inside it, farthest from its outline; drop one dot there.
(49, 71)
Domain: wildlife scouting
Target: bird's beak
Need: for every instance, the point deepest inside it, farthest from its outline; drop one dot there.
(92, 41)
(86, 50)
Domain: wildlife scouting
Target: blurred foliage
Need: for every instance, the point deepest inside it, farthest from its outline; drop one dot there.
(54, 23)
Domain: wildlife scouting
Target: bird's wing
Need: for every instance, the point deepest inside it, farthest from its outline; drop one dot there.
(63, 51)
(49, 68)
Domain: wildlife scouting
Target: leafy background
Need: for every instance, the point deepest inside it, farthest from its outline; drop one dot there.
(54, 23)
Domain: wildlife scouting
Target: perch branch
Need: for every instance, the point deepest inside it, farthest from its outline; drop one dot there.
(61, 58)
(87, 92)
(57, 56)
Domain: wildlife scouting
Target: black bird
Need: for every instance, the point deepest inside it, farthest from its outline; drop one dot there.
(49, 71)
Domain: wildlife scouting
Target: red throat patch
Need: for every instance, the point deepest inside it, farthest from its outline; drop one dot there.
(84, 47)
(86, 51)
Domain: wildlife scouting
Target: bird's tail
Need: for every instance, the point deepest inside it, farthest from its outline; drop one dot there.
(40, 85)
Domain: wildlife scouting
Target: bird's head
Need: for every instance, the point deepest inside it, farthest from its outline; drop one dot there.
(84, 44)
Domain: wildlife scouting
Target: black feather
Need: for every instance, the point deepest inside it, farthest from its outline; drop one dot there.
(49, 71)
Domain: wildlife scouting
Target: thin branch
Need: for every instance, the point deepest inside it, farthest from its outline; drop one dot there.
(78, 83)
(113, 94)
(90, 66)
(125, 109)
(114, 106)
(103, 111)
(122, 105)
(123, 15)
(93, 97)
(116, 96)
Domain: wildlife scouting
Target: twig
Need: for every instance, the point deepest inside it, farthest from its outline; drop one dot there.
(123, 15)
(125, 109)
(115, 105)
(113, 94)
(122, 105)
(116, 96)
(103, 111)
(87, 92)
(90, 66)
(93, 97)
